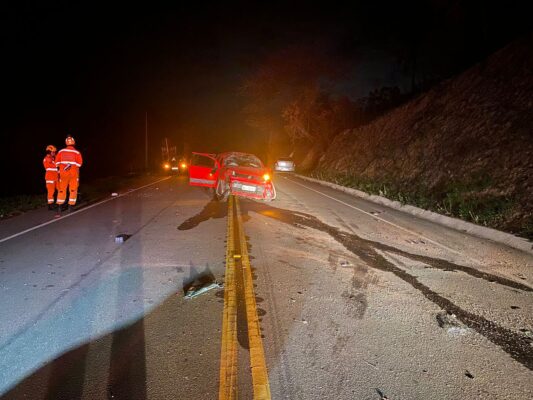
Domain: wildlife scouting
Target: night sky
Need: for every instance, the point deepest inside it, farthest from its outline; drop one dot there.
(93, 70)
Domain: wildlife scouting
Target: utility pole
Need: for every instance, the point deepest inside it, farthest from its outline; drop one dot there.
(146, 141)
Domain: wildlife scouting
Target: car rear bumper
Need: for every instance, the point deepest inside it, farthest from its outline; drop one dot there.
(283, 169)
(259, 192)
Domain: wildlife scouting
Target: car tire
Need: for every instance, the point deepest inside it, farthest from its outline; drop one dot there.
(222, 191)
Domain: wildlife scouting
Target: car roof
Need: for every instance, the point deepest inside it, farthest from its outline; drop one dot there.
(235, 153)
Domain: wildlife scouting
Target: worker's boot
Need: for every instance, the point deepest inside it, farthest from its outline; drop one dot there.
(51, 207)
(63, 207)
(70, 208)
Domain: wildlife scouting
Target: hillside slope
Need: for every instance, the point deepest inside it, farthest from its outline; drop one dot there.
(465, 148)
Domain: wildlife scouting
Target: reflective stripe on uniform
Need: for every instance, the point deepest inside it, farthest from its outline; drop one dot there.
(69, 162)
(60, 201)
(69, 151)
(204, 181)
(51, 169)
(50, 181)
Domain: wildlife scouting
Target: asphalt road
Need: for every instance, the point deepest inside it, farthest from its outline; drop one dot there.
(350, 300)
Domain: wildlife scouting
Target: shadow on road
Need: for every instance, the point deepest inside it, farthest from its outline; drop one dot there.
(64, 377)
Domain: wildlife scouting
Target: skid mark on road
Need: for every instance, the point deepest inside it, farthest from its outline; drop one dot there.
(414, 233)
(517, 346)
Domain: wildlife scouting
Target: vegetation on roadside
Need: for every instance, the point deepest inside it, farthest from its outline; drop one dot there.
(474, 201)
(455, 150)
(14, 205)
(88, 193)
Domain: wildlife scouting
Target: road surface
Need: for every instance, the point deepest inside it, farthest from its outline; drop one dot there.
(326, 296)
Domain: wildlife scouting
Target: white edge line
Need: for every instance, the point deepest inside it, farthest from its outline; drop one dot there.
(79, 211)
(443, 246)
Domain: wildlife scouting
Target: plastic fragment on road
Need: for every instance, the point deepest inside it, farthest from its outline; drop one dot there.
(345, 264)
(451, 324)
(122, 238)
(526, 332)
(114, 194)
(193, 292)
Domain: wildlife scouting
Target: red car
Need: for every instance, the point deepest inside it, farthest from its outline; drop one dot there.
(240, 174)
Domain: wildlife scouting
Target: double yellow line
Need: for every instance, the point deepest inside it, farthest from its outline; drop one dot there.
(237, 257)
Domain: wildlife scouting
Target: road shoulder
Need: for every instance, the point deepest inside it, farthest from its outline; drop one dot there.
(454, 223)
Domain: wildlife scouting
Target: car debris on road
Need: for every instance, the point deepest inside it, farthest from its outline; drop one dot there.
(197, 291)
(122, 238)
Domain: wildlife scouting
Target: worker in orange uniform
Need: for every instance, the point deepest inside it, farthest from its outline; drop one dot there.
(69, 161)
(50, 175)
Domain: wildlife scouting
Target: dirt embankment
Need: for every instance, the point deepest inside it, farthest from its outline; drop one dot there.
(465, 148)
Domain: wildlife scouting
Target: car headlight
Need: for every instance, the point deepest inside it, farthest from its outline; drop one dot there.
(266, 177)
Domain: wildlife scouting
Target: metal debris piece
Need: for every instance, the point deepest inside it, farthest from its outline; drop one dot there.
(197, 291)
(122, 238)
(114, 194)
(382, 396)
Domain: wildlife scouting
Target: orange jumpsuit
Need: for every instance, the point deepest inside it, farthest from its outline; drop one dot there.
(69, 161)
(50, 176)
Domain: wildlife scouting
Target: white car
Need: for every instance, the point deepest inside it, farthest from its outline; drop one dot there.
(284, 165)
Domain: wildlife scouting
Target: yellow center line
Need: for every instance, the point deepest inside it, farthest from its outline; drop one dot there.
(261, 386)
(228, 356)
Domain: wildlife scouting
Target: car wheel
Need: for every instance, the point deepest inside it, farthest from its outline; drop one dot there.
(222, 191)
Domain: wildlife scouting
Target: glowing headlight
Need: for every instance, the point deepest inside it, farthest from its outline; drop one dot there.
(266, 177)
(183, 165)
(166, 166)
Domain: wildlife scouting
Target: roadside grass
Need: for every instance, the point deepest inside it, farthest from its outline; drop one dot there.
(473, 201)
(89, 192)
(527, 230)
(15, 205)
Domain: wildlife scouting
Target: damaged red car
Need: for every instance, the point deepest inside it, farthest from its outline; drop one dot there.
(239, 174)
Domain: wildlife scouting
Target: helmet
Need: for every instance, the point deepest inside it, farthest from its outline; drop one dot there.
(69, 141)
(51, 148)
